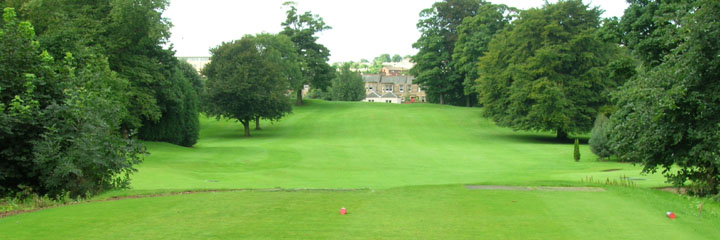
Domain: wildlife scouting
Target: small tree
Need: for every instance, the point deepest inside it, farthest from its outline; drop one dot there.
(347, 85)
(245, 82)
(576, 153)
(599, 143)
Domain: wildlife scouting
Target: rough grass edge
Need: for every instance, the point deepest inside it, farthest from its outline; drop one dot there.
(55, 203)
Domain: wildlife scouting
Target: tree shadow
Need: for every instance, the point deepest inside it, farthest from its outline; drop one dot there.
(540, 138)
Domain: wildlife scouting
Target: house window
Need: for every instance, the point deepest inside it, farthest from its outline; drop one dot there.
(388, 88)
(409, 88)
(371, 100)
(388, 101)
(370, 88)
(423, 99)
(401, 87)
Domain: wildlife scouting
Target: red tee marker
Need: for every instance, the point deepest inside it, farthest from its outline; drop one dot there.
(343, 211)
(670, 215)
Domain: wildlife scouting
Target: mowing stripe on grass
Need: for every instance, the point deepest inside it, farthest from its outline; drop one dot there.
(523, 188)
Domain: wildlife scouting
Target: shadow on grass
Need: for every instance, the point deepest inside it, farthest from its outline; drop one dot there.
(539, 138)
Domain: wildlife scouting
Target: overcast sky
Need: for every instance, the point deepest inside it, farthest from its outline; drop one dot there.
(361, 28)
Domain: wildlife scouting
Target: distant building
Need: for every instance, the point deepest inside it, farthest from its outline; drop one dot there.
(392, 89)
(397, 68)
(394, 71)
(197, 62)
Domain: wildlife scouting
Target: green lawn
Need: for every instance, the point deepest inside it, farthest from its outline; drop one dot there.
(409, 163)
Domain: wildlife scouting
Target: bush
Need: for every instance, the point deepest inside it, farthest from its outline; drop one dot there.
(59, 122)
(599, 137)
(576, 153)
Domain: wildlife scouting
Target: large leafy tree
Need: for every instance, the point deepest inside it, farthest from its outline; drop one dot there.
(245, 80)
(302, 30)
(433, 68)
(279, 49)
(474, 35)
(668, 116)
(347, 85)
(548, 73)
(59, 121)
(650, 28)
(130, 34)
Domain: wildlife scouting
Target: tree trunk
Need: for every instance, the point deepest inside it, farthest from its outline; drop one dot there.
(442, 99)
(246, 124)
(467, 101)
(562, 135)
(124, 133)
(257, 123)
(299, 101)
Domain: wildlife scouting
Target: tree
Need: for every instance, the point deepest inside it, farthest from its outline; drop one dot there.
(59, 121)
(474, 35)
(180, 123)
(397, 58)
(383, 58)
(245, 81)
(302, 28)
(599, 137)
(667, 117)
(347, 85)
(549, 71)
(377, 63)
(434, 70)
(576, 150)
(131, 34)
(650, 28)
(279, 49)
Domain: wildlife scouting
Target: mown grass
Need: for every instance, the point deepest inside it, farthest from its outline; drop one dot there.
(363, 145)
(410, 164)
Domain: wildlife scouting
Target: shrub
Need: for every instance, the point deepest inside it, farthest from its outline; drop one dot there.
(576, 153)
(599, 137)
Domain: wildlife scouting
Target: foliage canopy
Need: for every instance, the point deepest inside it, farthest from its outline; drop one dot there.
(548, 72)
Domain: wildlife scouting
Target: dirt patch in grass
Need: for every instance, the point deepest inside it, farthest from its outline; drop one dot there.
(524, 188)
(673, 190)
(16, 212)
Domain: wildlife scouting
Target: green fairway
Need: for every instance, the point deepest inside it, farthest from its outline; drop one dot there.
(361, 145)
(405, 168)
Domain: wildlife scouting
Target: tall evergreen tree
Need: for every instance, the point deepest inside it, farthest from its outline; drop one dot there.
(180, 123)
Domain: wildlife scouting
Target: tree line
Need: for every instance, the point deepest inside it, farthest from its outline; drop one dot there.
(80, 83)
(645, 79)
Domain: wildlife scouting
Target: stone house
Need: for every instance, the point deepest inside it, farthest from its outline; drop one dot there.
(392, 89)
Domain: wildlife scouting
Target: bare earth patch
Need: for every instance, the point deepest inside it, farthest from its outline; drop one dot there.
(673, 190)
(524, 188)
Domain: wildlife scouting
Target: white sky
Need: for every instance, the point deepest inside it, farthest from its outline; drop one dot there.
(361, 28)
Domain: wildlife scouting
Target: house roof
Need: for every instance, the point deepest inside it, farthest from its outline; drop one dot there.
(390, 95)
(377, 78)
(394, 68)
(373, 94)
(373, 78)
(398, 79)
